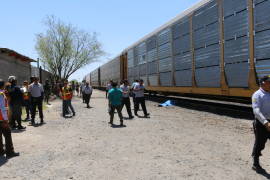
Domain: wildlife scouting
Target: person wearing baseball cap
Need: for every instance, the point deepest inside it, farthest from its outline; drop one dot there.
(261, 124)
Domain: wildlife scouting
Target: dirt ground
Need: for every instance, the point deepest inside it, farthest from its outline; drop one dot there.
(175, 143)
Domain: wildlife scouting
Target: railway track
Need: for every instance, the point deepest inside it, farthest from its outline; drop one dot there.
(223, 108)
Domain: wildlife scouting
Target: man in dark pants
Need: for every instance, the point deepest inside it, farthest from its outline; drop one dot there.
(261, 125)
(132, 93)
(87, 93)
(37, 94)
(115, 102)
(15, 103)
(47, 91)
(139, 98)
(4, 126)
(125, 98)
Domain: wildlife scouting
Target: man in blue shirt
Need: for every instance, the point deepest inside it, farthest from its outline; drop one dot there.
(261, 125)
(115, 102)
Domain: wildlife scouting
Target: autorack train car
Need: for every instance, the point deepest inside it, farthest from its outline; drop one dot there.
(217, 47)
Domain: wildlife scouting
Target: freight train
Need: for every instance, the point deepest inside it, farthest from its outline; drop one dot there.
(217, 47)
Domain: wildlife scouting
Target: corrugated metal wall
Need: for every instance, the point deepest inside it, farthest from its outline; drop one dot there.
(153, 59)
(110, 71)
(153, 80)
(95, 77)
(262, 37)
(236, 44)
(165, 57)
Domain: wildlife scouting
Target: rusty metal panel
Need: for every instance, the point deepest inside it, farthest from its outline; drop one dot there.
(183, 78)
(153, 80)
(165, 65)
(262, 16)
(166, 79)
(236, 25)
(236, 50)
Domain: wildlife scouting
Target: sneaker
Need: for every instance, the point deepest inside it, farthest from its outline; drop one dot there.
(74, 114)
(13, 154)
(131, 117)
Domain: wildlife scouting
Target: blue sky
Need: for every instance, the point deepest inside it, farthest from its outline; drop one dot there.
(119, 23)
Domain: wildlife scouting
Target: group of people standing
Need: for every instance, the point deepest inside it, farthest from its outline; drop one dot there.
(12, 99)
(120, 97)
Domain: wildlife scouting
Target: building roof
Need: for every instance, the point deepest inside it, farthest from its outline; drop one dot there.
(16, 55)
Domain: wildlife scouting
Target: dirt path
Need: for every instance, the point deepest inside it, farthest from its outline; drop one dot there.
(175, 143)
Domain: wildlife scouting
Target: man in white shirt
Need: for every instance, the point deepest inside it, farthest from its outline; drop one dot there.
(139, 98)
(125, 98)
(261, 124)
(87, 92)
(37, 94)
(133, 92)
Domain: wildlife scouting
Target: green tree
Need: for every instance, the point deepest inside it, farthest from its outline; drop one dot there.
(64, 49)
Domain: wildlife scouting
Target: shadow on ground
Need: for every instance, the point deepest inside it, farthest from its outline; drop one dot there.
(3, 160)
(224, 109)
(118, 126)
